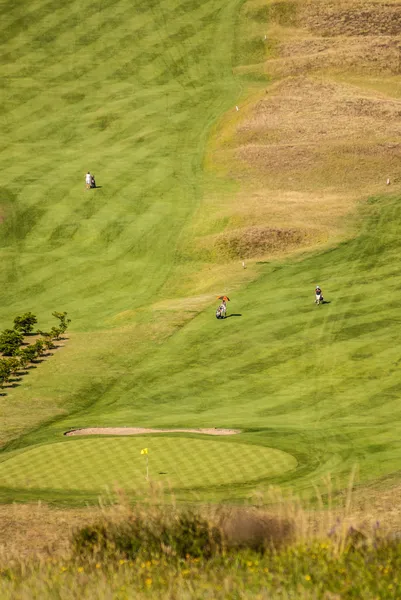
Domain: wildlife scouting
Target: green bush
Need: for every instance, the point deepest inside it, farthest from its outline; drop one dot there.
(193, 536)
(5, 372)
(63, 321)
(27, 354)
(47, 339)
(186, 535)
(10, 341)
(25, 322)
(56, 332)
(39, 346)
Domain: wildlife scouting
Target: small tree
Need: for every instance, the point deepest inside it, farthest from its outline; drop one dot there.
(5, 371)
(10, 341)
(25, 322)
(47, 339)
(39, 346)
(56, 332)
(27, 354)
(62, 317)
(23, 359)
(13, 364)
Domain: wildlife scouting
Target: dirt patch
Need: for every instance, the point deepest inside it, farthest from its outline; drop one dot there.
(141, 430)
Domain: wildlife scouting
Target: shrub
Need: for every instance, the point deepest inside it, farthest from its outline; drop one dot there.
(5, 372)
(39, 346)
(186, 535)
(27, 354)
(64, 322)
(56, 332)
(25, 322)
(47, 339)
(193, 536)
(10, 341)
(13, 364)
(107, 539)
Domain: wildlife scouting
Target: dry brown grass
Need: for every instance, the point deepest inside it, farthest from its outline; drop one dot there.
(325, 135)
(277, 518)
(249, 242)
(39, 530)
(351, 17)
(319, 135)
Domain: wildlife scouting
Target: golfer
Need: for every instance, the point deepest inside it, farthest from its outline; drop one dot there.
(88, 180)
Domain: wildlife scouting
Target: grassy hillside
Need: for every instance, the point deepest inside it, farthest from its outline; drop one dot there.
(144, 96)
(127, 91)
(320, 383)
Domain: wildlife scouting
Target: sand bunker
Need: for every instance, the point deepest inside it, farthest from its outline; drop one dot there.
(140, 430)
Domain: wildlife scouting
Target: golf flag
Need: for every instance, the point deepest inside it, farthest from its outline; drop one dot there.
(144, 451)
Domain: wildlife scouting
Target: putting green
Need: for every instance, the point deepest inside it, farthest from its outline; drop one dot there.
(185, 463)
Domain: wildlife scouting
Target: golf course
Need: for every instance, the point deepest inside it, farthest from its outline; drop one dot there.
(244, 148)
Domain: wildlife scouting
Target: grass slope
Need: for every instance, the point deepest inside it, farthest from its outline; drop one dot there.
(127, 90)
(321, 383)
(131, 92)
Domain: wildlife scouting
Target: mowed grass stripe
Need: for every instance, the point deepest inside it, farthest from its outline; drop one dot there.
(70, 234)
(307, 371)
(100, 463)
(138, 26)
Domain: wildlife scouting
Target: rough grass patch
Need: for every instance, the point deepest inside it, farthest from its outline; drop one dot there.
(255, 241)
(354, 18)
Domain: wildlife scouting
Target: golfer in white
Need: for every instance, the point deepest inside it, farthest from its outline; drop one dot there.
(88, 180)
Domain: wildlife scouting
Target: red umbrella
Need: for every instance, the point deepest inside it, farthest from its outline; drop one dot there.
(223, 298)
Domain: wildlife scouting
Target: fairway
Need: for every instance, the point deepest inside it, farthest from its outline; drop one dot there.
(181, 463)
(196, 199)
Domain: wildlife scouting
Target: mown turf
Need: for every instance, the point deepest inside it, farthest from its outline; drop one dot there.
(130, 91)
(320, 382)
(101, 464)
(126, 90)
